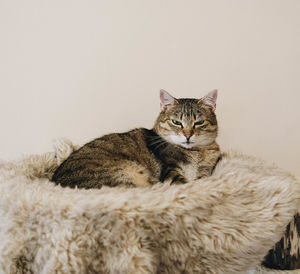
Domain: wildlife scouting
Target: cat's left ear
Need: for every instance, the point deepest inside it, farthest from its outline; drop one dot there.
(166, 100)
(210, 99)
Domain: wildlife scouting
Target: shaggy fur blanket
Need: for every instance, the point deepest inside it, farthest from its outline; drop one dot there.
(222, 224)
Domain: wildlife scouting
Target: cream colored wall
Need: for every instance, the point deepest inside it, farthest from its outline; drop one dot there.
(80, 69)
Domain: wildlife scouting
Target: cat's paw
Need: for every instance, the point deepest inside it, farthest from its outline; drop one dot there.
(178, 180)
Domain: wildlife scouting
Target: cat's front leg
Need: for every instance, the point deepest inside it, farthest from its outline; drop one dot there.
(172, 176)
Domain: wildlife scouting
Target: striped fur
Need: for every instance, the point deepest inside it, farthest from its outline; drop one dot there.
(285, 254)
(142, 157)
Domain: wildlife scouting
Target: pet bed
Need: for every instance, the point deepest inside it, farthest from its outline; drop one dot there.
(222, 224)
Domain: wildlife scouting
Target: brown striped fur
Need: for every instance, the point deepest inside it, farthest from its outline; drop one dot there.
(285, 255)
(176, 153)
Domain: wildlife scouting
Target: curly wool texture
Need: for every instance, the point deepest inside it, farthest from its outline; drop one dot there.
(222, 224)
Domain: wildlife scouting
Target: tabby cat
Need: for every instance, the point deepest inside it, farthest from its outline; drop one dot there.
(180, 148)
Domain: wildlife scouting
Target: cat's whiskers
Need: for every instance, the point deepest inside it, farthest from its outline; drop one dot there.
(158, 143)
(161, 144)
(154, 137)
(167, 146)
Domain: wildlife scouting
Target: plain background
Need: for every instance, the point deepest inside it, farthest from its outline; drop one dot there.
(80, 69)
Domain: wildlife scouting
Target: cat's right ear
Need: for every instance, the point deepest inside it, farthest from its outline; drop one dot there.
(166, 100)
(210, 99)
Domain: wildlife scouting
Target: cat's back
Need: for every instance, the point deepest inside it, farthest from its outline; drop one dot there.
(104, 154)
(129, 143)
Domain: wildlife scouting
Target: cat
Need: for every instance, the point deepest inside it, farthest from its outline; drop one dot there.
(180, 148)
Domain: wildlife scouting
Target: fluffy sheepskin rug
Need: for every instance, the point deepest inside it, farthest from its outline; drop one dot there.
(222, 224)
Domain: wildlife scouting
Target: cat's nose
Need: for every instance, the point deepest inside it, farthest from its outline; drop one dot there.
(188, 136)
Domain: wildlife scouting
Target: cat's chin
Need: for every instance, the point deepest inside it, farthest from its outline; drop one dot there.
(187, 145)
(194, 145)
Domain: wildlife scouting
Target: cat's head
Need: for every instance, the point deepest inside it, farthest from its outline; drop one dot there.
(189, 123)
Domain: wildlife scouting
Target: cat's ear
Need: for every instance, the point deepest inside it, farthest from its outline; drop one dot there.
(166, 100)
(210, 99)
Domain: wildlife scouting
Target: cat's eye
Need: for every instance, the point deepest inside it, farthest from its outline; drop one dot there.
(177, 123)
(198, 123)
